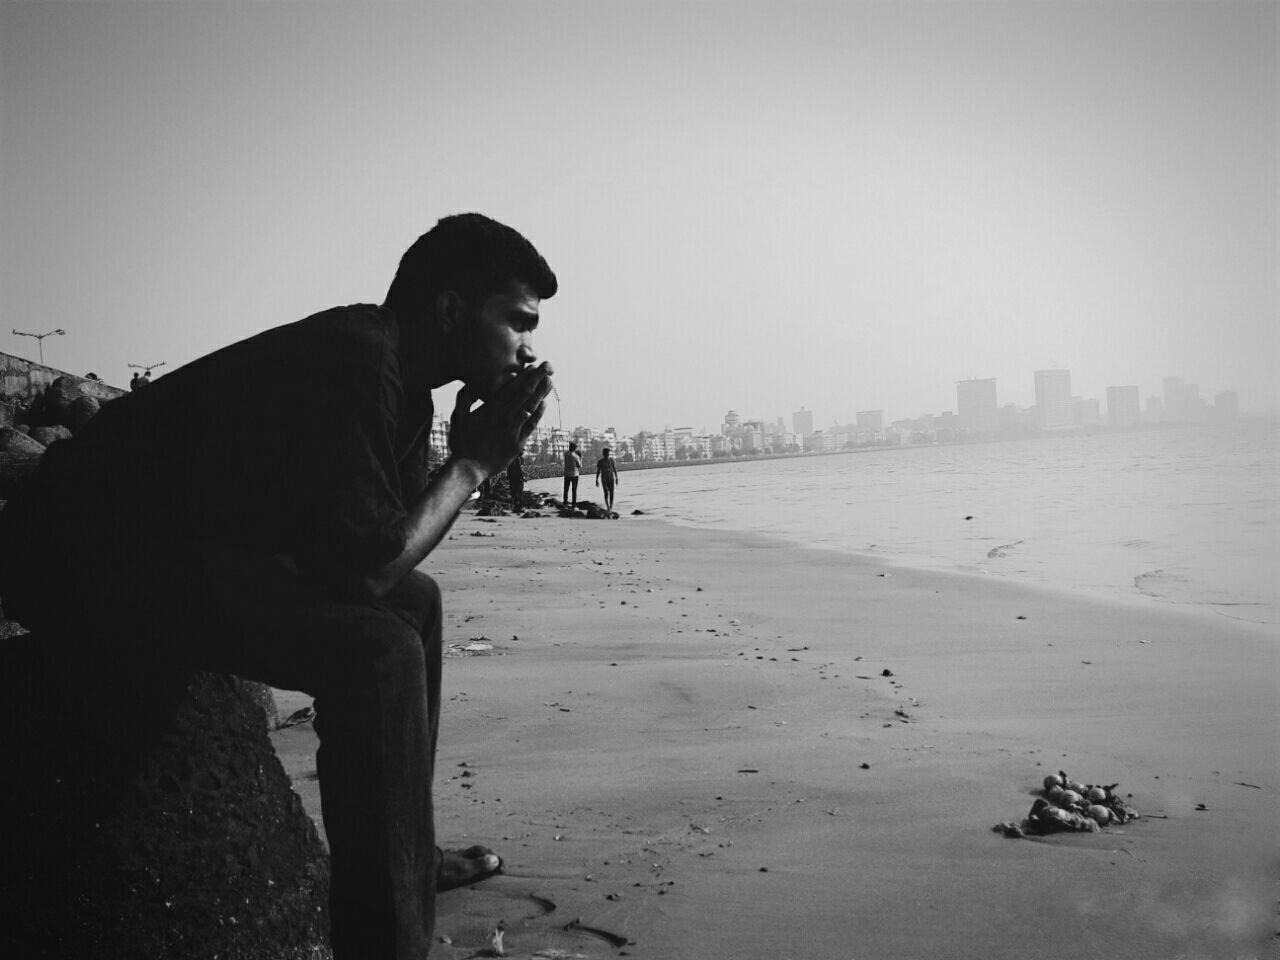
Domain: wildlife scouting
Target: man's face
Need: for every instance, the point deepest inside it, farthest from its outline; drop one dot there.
(494, 342)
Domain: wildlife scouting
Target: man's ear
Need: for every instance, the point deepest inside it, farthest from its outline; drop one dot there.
(449, 307)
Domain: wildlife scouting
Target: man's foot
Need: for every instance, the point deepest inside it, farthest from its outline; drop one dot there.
(459, 868)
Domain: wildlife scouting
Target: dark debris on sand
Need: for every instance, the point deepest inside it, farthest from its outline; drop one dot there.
(1068, 805)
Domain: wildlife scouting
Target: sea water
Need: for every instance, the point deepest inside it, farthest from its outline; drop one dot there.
(1180, 515)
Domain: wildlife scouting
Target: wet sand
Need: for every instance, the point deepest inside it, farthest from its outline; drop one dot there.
(684, 745)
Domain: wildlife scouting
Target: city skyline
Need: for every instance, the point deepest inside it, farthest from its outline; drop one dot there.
(1145, 396)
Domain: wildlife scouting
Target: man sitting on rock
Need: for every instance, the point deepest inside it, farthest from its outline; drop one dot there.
(261, 511)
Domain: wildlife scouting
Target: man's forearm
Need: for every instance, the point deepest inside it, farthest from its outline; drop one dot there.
(429, 519)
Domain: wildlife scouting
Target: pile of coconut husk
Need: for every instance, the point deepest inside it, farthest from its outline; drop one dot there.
(1065, 804)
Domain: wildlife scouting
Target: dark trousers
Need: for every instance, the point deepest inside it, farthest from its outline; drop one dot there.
(571, 483)
(374, 671)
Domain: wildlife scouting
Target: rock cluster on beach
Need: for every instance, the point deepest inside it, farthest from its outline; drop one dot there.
(535, 505)
(66, 402)
(28, 429)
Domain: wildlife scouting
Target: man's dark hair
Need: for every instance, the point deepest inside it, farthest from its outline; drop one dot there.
(473, 255)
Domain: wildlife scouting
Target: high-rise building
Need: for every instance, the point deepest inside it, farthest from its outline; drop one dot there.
(1054, 406)
(731, 422)
(870, 420)
(1226, 405)
(1012, 418)
(1085, 413)
(1124, 406)
(439, 437)
(802, 422)
(1182, 401)
(1173, 397)
(976, 405)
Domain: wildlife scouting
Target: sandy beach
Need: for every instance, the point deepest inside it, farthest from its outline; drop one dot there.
(693, 745)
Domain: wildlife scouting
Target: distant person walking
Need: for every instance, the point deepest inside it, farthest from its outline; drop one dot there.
(607, 476)
(515, 480)
(572, 467)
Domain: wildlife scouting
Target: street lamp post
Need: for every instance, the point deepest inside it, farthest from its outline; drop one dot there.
(40, 339)
(139, 366)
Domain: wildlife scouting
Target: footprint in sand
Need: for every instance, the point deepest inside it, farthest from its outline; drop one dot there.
(615, 939)
(471, 914)
(467, 922)
(995, 553)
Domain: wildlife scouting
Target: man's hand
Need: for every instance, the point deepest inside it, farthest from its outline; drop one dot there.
(496, 432)
(483, 442)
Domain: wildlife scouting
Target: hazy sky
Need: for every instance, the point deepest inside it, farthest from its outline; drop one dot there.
(756, 206)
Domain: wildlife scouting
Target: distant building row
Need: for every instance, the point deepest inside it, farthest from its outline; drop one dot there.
(978, 415)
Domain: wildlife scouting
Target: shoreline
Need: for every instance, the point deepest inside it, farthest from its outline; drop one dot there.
(1133, 594)
(666, 740)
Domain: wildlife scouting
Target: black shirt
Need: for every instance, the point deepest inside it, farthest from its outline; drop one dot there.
(297, 444)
